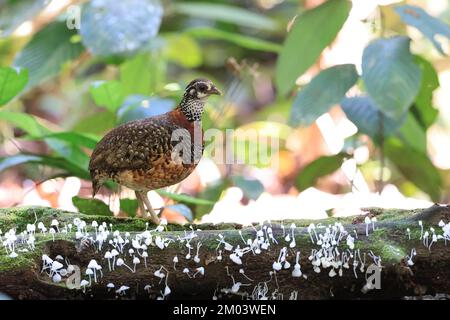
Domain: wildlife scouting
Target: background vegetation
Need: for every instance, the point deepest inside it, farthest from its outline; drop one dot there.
(289, 65)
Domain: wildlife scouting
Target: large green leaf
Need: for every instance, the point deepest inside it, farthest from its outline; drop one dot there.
(15, 160)
(423, 108)
(12, 81)
(129, 206)
(390, 75)
(251, 187)
(91, 206)
(69, 151)
(325, 90)
(413, 134)
(226, 13)
(136, 75)
(48, 51)
(96, 123)
(107, 94)
(320, 167)
(183, 50)
(311, 33)
(365, 114)
(25, 122)
(66, 149)
(79, 139)
(212, 192)
(119, 27)
(182, 197)
(238, 39)
(415, 166)
(181, 209)
(428, 25)
(54, 162)
(139, 107)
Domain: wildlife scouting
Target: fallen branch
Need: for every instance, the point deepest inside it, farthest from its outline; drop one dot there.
(233, 262)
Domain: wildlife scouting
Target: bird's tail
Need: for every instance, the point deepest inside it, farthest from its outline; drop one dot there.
(96, 184)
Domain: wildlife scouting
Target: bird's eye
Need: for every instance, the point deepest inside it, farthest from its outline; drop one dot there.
(202, 87)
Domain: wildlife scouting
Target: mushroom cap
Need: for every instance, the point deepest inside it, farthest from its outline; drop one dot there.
(110, 285)
(108, 255)
(56, 265)
(114, 252)
(92, 264)
(56, 278)
(84, 283)
(122, 288)
(120, 262)
(136, 260)
(89, 271)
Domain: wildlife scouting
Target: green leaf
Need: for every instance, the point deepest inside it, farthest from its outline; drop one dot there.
(423, 108)
(64, 148)
(69, 151)
(12, 81)
(320, 167)
(91, 206)
(129, 206)
(25, 122)
(119, 27)
(75, 138)
(96, 123)
(225, 13)
(183, 50)
(390, 75)
(182, 197)
(365, 114)
(47, 52)
(212, 192)
(15, 160)
(428, 25)
(311, 33)
(139, 107)
(136, 75)
(251, 187)
(325, 90)
(415, 166)
(54, 162)
(413, 135)
(181, 209)
(107, 94)
(243, 41)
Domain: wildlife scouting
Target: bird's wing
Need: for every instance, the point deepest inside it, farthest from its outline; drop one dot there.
(134, 145)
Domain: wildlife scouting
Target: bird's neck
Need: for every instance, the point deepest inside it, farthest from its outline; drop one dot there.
(192, 108)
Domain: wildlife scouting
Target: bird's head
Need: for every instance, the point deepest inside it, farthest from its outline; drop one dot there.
(201, 89)
(194, 98)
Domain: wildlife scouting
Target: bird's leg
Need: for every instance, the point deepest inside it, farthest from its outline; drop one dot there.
(141, 204)
(153, 216)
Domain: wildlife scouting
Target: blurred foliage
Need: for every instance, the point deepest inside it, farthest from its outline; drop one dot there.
(131, 60)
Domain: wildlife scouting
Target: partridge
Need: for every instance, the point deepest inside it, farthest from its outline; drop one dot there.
(154, 152)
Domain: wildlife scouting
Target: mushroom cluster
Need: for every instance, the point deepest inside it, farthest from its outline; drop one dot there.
(334, 250)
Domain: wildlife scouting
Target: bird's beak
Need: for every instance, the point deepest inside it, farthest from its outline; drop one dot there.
(214, 90)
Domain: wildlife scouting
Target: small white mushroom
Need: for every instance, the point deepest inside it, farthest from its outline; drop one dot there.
(367, 221)
(110, 286)
(136, 261)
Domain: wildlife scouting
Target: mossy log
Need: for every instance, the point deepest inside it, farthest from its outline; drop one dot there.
(21, 277)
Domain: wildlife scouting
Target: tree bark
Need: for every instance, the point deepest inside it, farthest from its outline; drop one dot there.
(21, 277)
